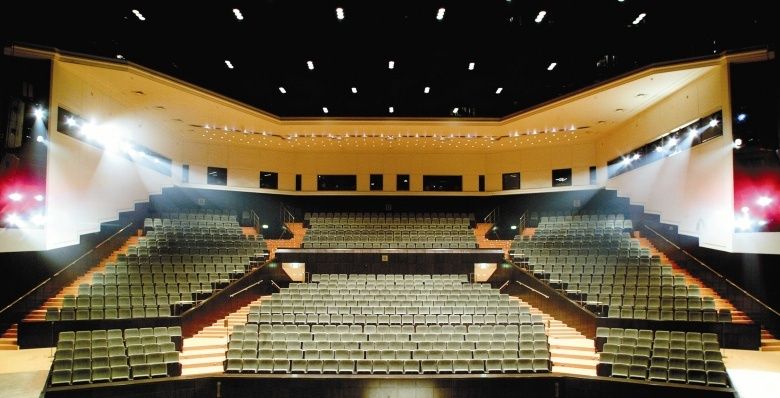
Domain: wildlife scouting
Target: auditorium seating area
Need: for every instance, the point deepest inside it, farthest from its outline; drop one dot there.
(379, 324)
(679, 357)
(98, 356)
(597, 263)
(182, 259)
(389, 230)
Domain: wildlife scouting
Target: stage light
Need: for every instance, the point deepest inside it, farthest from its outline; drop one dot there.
(39, 138)
(738, 143)
(552, 66)
(455, 110)
(282, 90)
(139, 15)
(229, 64)
(741, 117)
(38, 197)
(499, 90)
(14, 219)
(354, 90)
(340, 13)
(391, 109)
(713, 122)
(238, 14)
(513, 227)
(390, 64)
(265, 226)
(38, 113)
(540, 16)
(440, 14)
(324, 109)
(639, 18)
(427, 90)
(16, 197)
(310, 65)
(471, 65)
(764, 201)
(743, 223)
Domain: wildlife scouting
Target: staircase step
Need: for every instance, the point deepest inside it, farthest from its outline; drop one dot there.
(574, 370)
(202, 370)
(575, 363)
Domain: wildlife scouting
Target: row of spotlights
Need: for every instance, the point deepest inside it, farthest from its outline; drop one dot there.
(17, 197)
(16, 220)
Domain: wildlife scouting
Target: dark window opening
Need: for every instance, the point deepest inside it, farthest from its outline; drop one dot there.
(561, 178)
(216, 176)
(592, 175)
(336, 183)
(376, 182)
(402, 182)
(185, 173)
(481, 183)
(443, 183)
(298, 182)
(269, 180)
(510, 181)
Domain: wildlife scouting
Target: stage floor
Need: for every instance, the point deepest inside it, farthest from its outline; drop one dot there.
(23, 373)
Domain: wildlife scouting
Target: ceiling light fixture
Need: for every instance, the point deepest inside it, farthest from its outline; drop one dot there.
(238, 14)
(552, 66)
(340, 13)
(120, 56)
(427, 90)
(354, 90)
(440, 14)
(310, 65)
(139, 15)
(391, 109)
(540, 16)
(229, 64)
(639, 18)
(324, 109)
(471, 66)
(499, 90)
(455, 110)
(390, 64)
(282, 90)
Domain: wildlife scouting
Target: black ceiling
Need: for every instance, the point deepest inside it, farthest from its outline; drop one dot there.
(589, 40)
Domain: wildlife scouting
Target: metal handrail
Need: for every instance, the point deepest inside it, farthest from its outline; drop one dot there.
(523, 221)
(491, 217)
(504, 285)
(256, 221)
(275, 285)
(22, 297)
(533, 290)
(246, 288)
(718, 274)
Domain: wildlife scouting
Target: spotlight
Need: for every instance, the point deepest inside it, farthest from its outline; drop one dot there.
(513, 227)
(673, 141)
(738, 143)
(16, 197)
(764, 201)
(70, 121)
(713, 122)
(743, 223)
(265, 226)
(635, 157)
(741, 117)
(39, 138)
(39, 198)
(14, 219)
(38, 113)
(692, 132)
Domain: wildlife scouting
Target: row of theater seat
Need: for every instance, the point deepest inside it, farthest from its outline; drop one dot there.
(115, 355)
(682, 357)
(390, 366)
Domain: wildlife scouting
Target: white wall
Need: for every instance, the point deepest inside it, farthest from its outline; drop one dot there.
(693, 189)
(86, 185)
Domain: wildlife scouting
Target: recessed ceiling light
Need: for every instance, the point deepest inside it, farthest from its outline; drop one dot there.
(499, 90)
(229, 64)
(238, 14)
(440, 14)
(390, 64)
(354, 90)
(471, 66)
(427, 90)
(340, 13)
(139, 15)
(639, 18)
(282, 90)
(310, 65)
(552, 66)
(391, 109)
(324, 109)
(540, 16)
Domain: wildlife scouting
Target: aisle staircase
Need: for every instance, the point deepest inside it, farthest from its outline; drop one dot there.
(298, 231)
(205, 352)
(768, 341)
(570, 351)
(480, 233)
